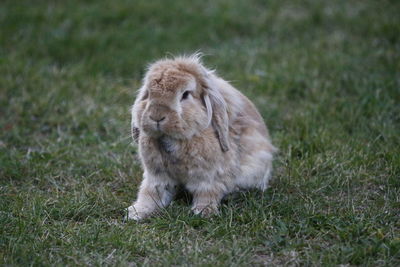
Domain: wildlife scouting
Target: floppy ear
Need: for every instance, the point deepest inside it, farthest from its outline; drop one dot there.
(135, 132)
(142, 95)
(217, 114)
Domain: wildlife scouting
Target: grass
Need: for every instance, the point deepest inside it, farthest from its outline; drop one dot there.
(324, 74)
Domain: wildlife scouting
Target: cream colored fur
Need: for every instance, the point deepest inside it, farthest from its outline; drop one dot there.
(194, 129)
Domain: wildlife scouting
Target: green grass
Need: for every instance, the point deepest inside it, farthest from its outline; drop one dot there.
(324, 74)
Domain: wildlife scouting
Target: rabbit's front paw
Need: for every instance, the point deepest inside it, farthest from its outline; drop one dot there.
(137, 213)
(206, 210)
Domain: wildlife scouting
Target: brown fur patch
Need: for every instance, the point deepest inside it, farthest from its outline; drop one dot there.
(167, 77)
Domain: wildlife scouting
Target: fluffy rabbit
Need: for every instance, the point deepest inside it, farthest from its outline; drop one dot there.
(194, 129)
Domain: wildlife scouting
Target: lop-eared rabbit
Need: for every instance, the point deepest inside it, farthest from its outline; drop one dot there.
(194, 129)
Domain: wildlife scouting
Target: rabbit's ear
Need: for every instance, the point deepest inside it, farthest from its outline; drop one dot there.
(135, 133)
(134, 126)
(217, 113)
(142, 95)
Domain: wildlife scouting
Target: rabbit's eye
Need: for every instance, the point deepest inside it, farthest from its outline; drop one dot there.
(185, 95)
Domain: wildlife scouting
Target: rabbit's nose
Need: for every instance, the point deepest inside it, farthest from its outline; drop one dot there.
(158, 120)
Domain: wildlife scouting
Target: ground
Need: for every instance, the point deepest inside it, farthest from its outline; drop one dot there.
(325, 75)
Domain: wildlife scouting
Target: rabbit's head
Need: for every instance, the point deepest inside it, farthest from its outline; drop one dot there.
(178, 99)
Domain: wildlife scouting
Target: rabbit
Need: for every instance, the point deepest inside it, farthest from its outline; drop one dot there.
(195, 130)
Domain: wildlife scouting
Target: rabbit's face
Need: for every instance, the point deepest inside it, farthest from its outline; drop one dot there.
(171, 105)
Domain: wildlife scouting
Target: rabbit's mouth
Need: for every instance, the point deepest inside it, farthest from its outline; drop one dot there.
(155, 130)
(158, 130)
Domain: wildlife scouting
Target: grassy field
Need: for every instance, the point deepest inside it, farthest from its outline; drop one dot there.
(324, 74)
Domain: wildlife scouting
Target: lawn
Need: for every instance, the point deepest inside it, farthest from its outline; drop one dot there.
(325, 75)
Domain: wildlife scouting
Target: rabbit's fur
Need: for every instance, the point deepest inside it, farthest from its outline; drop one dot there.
(194, 129)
